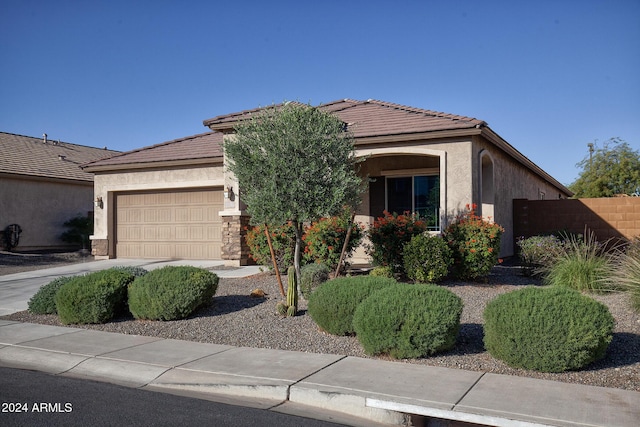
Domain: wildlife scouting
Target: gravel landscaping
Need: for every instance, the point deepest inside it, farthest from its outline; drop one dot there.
(235, 318)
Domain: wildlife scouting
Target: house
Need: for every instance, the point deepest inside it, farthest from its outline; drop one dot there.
(42, 186)
(176, 200)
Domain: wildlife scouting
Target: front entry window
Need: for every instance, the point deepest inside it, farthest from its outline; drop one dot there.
(416, 194)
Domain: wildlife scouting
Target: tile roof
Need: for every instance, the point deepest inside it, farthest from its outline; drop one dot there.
(203, 146)
(373, 118)
(30, 156)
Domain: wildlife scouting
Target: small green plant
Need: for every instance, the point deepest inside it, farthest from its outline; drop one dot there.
(312, 276)
(388, 236)
(427, 258)
(548, 329)
(283, 240)
(78, 231)
(332, 305)
(584, 265)
(475, 244)
(43, 301)
(171, 292)
(408, 321)
(539, 251)
(381, 271)
(325, 238)
(292, 292)
(93, 298)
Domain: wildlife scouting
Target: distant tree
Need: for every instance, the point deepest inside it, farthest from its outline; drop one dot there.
(294, 163)
(613, 168)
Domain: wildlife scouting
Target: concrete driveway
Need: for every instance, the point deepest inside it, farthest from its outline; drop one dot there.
(17, 289)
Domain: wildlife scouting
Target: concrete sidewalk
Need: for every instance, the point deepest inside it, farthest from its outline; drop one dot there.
(349, 390)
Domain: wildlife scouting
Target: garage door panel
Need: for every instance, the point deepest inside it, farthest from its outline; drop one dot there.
(181, 224)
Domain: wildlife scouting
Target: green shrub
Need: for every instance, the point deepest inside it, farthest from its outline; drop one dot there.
(427, 258)
(584, 265)
(475, 244)
(312, 276)
(549, 329)
(381, 272)
(133, 270)
(43, 301)
(283, 240)
(171, 293)
(332, 305)
(407, 321)
(93, 298)
(539, 251)
(325, 238)
(388, 236)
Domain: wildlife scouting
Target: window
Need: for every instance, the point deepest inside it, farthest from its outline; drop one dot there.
(415, 194)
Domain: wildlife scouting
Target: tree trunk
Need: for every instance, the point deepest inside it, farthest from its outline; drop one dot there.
(345, 245)
(273, 259)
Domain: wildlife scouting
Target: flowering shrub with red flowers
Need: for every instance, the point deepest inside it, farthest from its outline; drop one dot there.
(325, 238)
(388, 236)
(475, 244)
(283, 239)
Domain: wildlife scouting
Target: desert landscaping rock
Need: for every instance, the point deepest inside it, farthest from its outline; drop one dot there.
(236, 318)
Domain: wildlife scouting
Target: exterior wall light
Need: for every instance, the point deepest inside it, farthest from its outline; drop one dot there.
(228, 193)
(98, 202)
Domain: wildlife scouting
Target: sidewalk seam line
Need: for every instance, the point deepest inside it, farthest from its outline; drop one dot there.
(467, 392)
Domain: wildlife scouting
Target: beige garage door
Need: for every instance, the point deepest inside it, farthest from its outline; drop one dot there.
(169, 225)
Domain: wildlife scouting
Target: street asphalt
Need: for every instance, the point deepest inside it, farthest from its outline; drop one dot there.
(347, 390)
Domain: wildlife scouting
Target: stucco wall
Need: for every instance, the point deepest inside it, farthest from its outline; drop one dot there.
(453, 159)
(511, 181)
(41, 207)
(105, 184)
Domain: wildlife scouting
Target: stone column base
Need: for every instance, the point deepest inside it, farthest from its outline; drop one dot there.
(234, 246)
(100, 248)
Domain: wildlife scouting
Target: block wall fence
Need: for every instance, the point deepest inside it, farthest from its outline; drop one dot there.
(610, 217)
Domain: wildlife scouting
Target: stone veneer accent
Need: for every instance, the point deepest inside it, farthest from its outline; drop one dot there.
(100, 247)
(234, 245)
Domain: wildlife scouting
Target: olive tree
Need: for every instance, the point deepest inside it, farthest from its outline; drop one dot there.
(296, 163)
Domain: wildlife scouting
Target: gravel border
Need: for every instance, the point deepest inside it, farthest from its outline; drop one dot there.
(235, 318)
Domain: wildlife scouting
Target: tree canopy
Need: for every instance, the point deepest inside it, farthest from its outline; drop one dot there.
(293, 163)
(608, 170)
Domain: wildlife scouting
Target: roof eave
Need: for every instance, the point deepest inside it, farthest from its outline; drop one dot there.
(154, 165)
(14, 175)
(416, 136)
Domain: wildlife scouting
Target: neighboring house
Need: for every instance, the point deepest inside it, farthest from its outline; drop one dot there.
(176, 200)
(42, 186)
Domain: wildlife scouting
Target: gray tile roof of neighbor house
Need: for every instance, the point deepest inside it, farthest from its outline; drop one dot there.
(202, 147)
(46, 158)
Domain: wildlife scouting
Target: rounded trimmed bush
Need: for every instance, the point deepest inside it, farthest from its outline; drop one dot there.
(332, 305)
(550, 329)
(93, 298)
(312, 276)
(43, 301)
(427, 258)
(408, 321)
(131, 269)
(171, 293)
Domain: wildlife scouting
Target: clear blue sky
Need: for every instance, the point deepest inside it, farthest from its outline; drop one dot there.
(548, 76)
